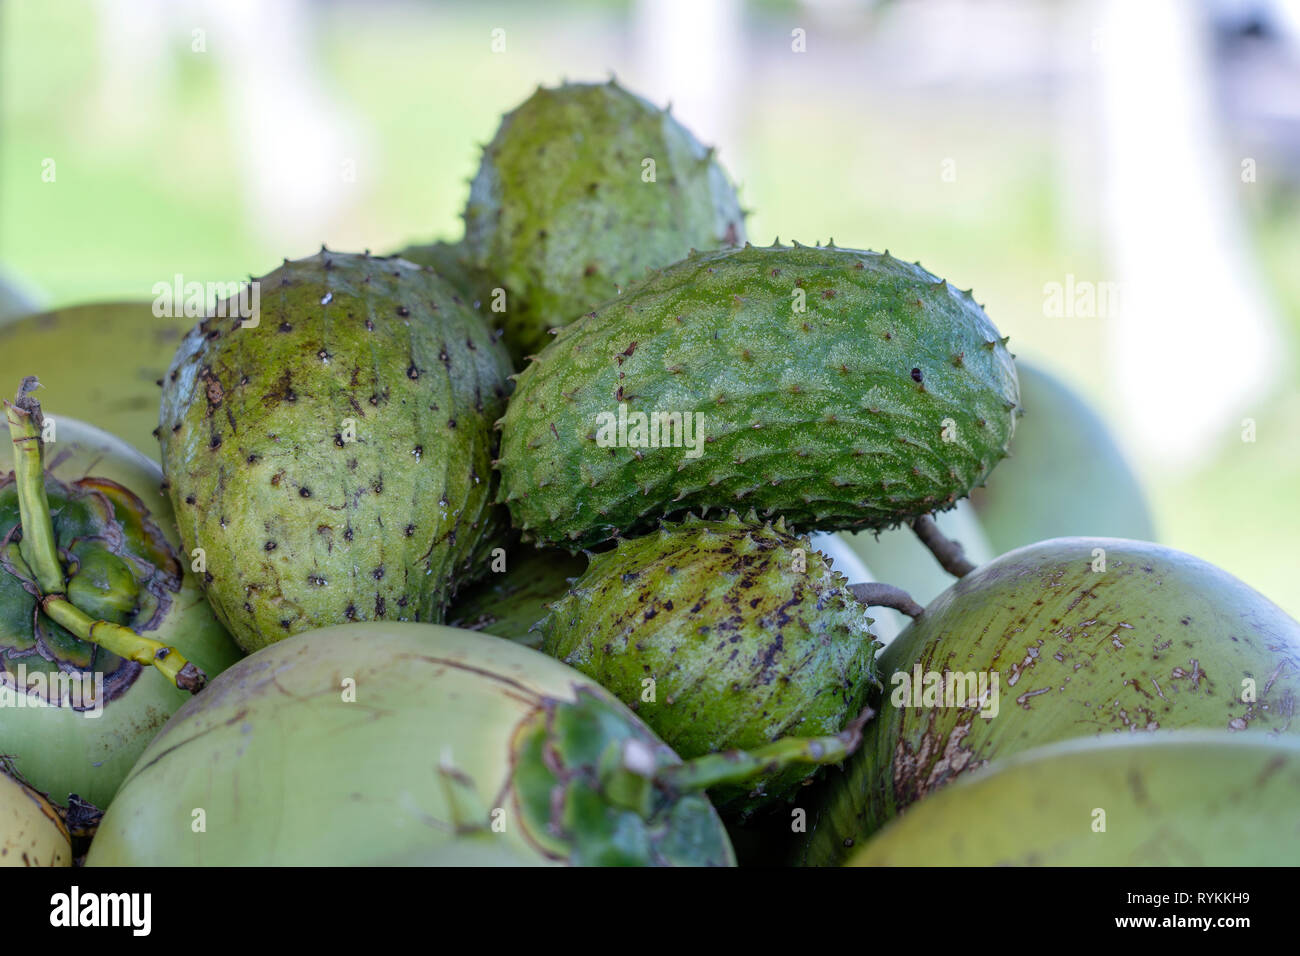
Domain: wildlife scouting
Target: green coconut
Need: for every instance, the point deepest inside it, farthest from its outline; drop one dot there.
(1073, 637)
(74, 716)
(100, 363)
(379, 743)
(1185, 798)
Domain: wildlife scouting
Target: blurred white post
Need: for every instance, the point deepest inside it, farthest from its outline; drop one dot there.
(1196, 340)
(304, 158)
(690, 52)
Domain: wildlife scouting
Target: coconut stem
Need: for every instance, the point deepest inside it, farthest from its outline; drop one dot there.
(949, 553)
(39, 552)
(37, 545)
(125, 642)
(741, 766)
(875, 594)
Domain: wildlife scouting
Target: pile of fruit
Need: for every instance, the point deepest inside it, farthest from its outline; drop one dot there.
(502, 551)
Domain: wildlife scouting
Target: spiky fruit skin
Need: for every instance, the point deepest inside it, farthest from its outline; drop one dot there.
(300, 526)
(124, 563)
(1062, 444)
(456, 744)
(561, 216)
(512, 603)
(746, 632)
(1177, 799)
(1159, 640)
(889, 397)
(99, 363)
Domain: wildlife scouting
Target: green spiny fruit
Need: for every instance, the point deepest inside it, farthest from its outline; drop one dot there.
(583, 188)
(333, 462)
(510, 602)
(720, 635)
(1071, 637)
(451, 262)
(837, 388)
(99, 363)
(455, 744)
(122, 556)
(1184, 798)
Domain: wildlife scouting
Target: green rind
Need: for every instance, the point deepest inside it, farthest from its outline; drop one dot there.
(300, 527)
(377, 743)
(742, 647)
(509, 604)
(559, 214)
(1158, 640)
(1177, 799)
(813, 416)
(1061, 444)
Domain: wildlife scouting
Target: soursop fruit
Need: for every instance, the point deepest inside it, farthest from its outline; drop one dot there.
(837, 388)
(582, 189)
(333, 462)
(721, 635)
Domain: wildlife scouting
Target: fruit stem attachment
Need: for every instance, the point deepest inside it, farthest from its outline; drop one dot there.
(949, 553)
(741, 766)
(39, 552)
(875, 594)
(124, 642)
(37, 545)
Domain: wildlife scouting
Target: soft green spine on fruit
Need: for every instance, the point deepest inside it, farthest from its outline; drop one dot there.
(299, 525)
(746, 632)
(1184, 798)
(1154, 640)
(889, 396)
(561, 215)
(509, 604)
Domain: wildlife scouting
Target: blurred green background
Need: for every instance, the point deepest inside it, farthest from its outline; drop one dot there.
(985, 139)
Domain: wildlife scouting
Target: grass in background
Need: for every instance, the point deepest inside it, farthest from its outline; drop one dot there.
(137, 201)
